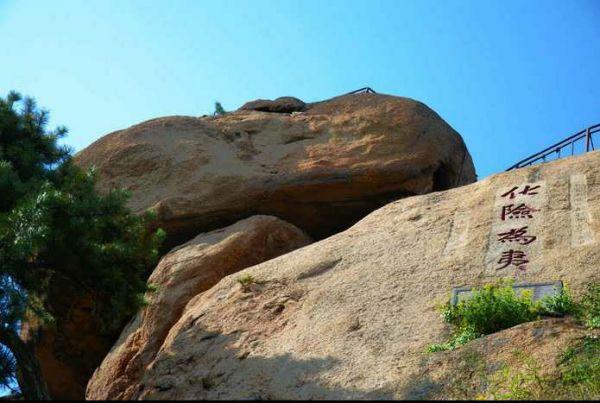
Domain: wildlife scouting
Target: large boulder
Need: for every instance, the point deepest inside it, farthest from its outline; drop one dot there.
(351, 316)
(184, 273)
(322, 169)
(279, 105)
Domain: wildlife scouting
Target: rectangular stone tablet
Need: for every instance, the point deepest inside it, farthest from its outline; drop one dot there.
(539, 290)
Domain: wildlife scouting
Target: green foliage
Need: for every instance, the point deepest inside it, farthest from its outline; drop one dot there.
(219, 110)
(28, 152)
(518, 385)
(590, 306)
(462, 337)
(93, 241)
(562, 304)
(495, 307)
(577, 376)
(580, 369)
(246, 279)
(8, 366)
(56, 230)
(577, 371)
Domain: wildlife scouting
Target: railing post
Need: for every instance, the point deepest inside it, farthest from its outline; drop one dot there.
(571, 140)
(587, 139)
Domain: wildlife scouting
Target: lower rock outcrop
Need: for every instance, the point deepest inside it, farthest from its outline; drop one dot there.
(181, 275)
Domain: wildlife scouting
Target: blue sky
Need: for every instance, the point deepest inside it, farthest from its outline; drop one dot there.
(510, 76)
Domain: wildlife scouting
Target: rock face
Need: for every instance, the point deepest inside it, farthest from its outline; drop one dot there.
(181, 275)
(322, 169)
(351, 316)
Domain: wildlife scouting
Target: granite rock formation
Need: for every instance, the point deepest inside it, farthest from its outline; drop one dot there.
(321, 169)
(320, 166)
(351, 316)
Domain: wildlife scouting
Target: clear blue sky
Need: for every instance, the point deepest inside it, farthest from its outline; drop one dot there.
(510, 76)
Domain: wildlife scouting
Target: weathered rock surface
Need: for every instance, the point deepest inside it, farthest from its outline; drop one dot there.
(351, 316)
(321, 170)
(185, 272)
(279, 105)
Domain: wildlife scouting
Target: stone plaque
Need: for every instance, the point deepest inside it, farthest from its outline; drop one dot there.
(538, 290)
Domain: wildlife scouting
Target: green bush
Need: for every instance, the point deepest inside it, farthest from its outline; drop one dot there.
(590, 306)
(562, 303)
(457, 340)
(495, 307)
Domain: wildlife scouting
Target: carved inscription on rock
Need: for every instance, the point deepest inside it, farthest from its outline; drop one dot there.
(514, 240)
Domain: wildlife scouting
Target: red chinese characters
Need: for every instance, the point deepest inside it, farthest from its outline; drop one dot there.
(518, 235)
(527, 191)
(513, 257)
(512, 211)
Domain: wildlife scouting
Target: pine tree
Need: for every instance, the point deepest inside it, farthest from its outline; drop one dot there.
(56, 229)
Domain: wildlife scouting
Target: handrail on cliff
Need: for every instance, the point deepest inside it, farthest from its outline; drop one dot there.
(364, 90)
(557, 148)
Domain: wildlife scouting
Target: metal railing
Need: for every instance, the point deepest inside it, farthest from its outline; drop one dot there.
(556, 150)
(365, 90)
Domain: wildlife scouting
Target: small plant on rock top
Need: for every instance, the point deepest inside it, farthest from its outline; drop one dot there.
(246, 279)
(219, 110)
